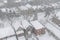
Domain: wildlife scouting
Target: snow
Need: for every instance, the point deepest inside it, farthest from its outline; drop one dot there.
(23, 8)
(21, 38)
(37, 25)
(39, 6)
(25, 24)
(6, 24)
(28, 5)
(58, 15)
(5, 1)
(3, 10)
(7, 31)
(42, 37)
(20, 32)
(34, 7)
(12, 38)
(41, 16)
(30, 0)
(46, 37)
(16, 24)
(17, 1)
(1, 3)
(54, 30)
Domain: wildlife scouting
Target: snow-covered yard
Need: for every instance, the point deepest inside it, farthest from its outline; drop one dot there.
(7, 31)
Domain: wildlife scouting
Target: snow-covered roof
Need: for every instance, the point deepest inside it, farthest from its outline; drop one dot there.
(16, 24)
(25, 24)
(58, 14)
(37, 25)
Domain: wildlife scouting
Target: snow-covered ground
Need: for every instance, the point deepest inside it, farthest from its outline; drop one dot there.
(20, 7)
(46, 37)
(54, 30)
(7, 31)
(21, 22)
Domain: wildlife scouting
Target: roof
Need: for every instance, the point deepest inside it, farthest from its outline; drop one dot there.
(37, 25)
